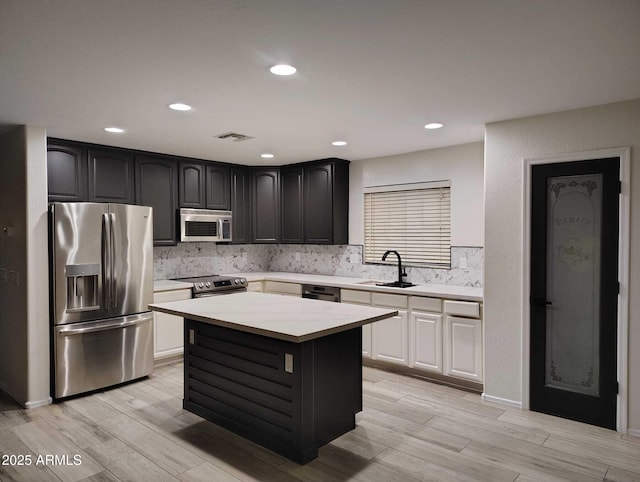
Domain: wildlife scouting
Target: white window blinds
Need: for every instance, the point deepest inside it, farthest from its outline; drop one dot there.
(413, 219)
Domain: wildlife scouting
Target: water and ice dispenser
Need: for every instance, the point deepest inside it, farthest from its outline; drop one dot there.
(82, 287)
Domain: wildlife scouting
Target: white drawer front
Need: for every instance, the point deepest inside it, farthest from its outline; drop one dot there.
(353, 296)
(394, 301)
(462, 308)
(426, 304)
(175, 295)
(284, 288)
(254, 286)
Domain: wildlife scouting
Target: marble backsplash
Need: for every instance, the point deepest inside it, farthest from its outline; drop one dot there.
(195, 259)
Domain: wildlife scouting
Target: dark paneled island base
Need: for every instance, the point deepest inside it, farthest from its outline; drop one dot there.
(288, 397)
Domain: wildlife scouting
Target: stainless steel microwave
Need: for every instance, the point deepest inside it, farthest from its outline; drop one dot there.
(205, 225)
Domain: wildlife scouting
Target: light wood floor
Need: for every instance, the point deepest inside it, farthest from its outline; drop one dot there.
(409, 430)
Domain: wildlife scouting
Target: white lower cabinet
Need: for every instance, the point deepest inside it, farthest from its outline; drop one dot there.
(168, 338)
(390, 337)
(429, 334)
(463, 348)
(354, 297)
(366, 341)
(425, 335)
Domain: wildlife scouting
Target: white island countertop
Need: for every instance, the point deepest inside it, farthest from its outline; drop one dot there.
(282, 317)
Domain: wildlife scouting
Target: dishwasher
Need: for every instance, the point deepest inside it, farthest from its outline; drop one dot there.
(324, 293)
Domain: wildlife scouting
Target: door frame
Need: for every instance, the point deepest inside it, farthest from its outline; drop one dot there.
(624, 153)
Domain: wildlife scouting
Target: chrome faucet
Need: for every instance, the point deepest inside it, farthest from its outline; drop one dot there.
(401, 273)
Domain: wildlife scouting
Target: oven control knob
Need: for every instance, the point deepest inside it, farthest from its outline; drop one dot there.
(243, 280)
(201, 285)
(208, 284)
(236, 281)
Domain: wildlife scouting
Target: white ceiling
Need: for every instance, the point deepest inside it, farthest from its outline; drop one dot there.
(371, 72)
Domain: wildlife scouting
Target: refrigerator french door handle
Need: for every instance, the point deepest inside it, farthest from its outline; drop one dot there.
(112, 263)
(106, 259)
(105, 326)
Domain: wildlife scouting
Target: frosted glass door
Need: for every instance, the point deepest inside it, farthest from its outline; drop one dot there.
(574, 214)
(574, 290)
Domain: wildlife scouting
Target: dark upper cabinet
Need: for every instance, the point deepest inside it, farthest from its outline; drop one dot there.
(241, 205)
(265, 215)
(302, 203)
(192, 184)
(217, 186)
(66, 172)
(291, 205)
(326, 202)
(111, 176)
(157, 186)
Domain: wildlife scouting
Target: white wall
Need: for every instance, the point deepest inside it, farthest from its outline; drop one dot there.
(37, 282)
(24, 308)
(507, 144)
(463, 165)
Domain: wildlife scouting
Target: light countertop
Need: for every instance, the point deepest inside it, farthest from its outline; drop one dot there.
(467, 293)
(439, 291)
(282, 317)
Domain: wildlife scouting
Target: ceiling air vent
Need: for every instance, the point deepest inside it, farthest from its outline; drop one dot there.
(234, 136)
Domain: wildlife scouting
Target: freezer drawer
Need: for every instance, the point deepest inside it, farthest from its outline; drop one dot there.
(98, 354)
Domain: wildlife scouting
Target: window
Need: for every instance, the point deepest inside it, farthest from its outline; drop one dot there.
(413, 219)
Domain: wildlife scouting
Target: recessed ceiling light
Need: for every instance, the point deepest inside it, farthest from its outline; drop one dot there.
(339, 143)
(434, 125)
(114, 130)
(266, 155)
(179, 106)
(282, 69)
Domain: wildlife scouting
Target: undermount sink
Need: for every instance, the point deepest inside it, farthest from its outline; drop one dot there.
(390, 284)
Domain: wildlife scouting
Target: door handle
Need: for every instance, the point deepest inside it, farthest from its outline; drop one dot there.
(540, 301)
(106, 260)
(114, 281)
(93, 326)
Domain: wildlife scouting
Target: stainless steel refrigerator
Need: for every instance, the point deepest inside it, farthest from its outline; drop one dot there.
(102, 284)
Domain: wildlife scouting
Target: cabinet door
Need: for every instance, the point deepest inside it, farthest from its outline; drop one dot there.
(390, 339)
(240, 205)
(111, 176)
(157, 186)
(425, 351)
(66, 172)
(366, 341)
(463, 348)
(366, 332)
(217, 187)
(191, 188)
(291, 202)
(265, 214)
(168, 331)
(318, 204)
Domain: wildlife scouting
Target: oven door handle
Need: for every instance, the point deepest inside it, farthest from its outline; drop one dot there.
(69, 330)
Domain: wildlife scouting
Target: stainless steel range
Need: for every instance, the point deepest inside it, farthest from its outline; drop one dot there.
(214, 285)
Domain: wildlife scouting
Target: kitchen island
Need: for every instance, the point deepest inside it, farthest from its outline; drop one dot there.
(283, 372)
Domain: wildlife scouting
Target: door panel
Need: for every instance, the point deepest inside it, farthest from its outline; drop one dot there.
(79, 277)
(111, 176)
(157, 186)
(99, 354)
(574, 290)
(66, 172)
(133, 257)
